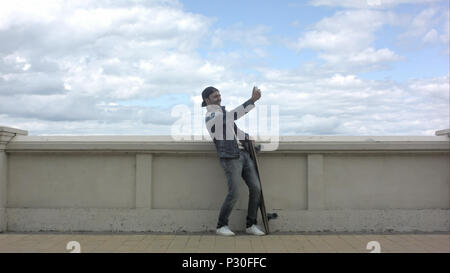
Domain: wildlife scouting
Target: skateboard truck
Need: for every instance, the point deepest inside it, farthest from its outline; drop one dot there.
(271, 216)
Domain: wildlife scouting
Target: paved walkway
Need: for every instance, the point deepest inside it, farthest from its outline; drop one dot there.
(209, 243)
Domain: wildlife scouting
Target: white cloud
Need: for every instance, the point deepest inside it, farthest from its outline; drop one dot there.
(432, 89)
(420, 24)
(364, 60)
(247, 36)
(364, 4)
(340, 80)
(431, 36)
(345, 40)
(23, 12)
(17, 62)
(344, 104)
(69, 60)
(364, 17)
(444, 37)
(430, 26)
(66, 67)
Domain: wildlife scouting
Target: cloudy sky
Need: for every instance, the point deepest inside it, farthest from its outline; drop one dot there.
(102, 67)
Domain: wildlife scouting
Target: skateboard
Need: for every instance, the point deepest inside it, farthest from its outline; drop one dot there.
(265, 216)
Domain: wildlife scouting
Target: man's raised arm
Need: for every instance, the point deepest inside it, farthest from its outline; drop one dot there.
(244, 108)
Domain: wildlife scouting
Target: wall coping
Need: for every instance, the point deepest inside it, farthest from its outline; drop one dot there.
(4, 129)
(443, 132)
(22, 143)
(7, 133)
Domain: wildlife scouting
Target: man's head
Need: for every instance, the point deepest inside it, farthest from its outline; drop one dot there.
(211, 96)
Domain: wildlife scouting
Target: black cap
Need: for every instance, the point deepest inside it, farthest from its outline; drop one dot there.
(205, 94)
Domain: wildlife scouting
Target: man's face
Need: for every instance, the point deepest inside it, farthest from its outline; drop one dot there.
(214, 98)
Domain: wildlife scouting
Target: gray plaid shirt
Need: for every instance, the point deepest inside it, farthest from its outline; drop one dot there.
(223, 130)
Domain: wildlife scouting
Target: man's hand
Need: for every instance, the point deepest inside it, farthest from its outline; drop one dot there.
(256, 94)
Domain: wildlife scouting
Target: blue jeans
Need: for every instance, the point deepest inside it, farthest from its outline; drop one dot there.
(235, 168)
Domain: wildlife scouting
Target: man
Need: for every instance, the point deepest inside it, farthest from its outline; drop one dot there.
(235, 160)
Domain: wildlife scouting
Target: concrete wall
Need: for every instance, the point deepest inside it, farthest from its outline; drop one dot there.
(153, 183)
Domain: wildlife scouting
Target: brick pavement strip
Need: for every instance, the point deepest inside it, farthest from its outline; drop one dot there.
(224, 244)
(257, 245)
(206, 243)
(320, 244)
(440, 242)
(306, 245)
(273, 244)
(291, 244)
(179, 242)
(159, 245)
(339, 244)
(357, 245)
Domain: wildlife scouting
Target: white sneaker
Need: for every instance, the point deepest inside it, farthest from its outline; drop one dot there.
(254, 230)
(225, 230)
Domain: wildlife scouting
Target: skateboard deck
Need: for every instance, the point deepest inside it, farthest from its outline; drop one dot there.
(262, 205)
